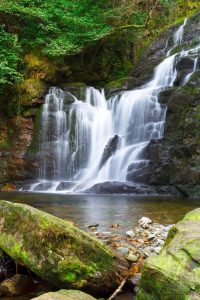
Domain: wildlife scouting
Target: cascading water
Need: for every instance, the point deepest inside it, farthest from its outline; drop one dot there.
(92, 140)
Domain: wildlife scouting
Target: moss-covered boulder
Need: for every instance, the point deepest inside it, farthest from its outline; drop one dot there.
(55, 250)
(65, 295)
(31, 91)
(175, 273)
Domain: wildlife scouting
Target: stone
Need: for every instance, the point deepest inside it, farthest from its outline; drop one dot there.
(130, 234)
(145, 222)
(57, 251)
(175, 272)
(123, 250)
(109, 150)
(17, 285)
(65, 295)
(9, 187)
(132, 257)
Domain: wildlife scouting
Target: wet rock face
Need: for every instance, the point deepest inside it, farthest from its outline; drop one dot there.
(174, 160)
(13, 161)
(175, 272)
(109, 150)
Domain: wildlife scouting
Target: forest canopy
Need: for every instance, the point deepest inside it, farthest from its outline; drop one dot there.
(57, 28)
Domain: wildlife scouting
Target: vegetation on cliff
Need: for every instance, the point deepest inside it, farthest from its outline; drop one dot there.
(57, 30)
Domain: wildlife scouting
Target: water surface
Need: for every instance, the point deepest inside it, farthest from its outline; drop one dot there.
(106, 210)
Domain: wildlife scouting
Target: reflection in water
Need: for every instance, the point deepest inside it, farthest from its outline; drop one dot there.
(105, 210)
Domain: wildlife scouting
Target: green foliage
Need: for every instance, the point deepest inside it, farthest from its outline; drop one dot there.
(9, 58)
(56, 29)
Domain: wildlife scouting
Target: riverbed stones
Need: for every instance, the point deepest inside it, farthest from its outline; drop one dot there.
(175, 272)
(145, 222)
(57, 251)
(130, 234)
(65, 295)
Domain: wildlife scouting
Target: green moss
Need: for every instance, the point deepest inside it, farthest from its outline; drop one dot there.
(116, 83)
(29, 90)
(54, 249)
(175, 273)
(4, 144)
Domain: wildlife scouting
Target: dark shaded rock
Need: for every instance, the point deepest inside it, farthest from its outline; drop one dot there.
(165, 95)
(185, 63)
(18, 285)
(7, 266)
(109, 150)
(116, 187)
(76, 89)
(139, 172)
(178, 102)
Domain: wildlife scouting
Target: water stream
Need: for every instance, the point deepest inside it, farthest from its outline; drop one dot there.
(94, 140)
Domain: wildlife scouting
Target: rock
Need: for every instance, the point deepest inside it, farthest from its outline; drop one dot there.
(9, 187)
(157, 249)
(116, 187)
(57, 251)
(65, 295)
(175, 272)
(148, 251)
(145, 222)
(7, 266)
(109, 150)
(17, 285)
(123, 250)
(130, 234)
(132, 258)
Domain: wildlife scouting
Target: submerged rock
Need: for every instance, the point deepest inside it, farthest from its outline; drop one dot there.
(57, 251)
(65, 295)
(175, 273)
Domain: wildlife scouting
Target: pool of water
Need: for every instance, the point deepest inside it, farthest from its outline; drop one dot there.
(106, 210)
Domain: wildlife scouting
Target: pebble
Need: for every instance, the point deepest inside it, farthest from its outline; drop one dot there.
(93, 225)
(123, 250)
(132, 257)
(130, 234)
(145, 222)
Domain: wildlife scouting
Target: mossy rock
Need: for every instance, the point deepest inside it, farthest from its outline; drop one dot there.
(55, 250)
(30, 90)
(175, 273)
(40, 68)
(117, 83)
(65, 295)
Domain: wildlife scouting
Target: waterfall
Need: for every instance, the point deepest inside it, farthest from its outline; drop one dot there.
(93, 140)
(178, 37)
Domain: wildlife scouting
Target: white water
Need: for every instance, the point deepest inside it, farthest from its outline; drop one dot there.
(74, 137)
(178, 37)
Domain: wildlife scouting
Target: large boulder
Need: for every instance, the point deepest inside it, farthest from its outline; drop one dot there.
(65, 295)
(175, 273)
(57, 251)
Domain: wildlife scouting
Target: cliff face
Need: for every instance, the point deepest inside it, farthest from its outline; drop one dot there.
(174, 160)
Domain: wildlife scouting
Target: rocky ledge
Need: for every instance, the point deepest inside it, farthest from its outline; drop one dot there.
(175, 272)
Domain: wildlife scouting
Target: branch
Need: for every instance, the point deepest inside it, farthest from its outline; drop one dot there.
(118, 290)
(129, 26)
